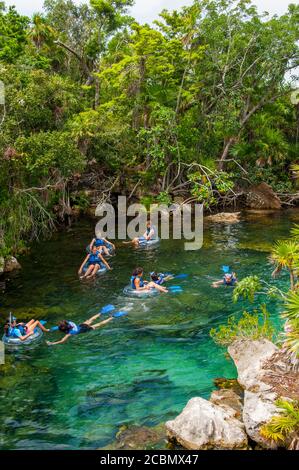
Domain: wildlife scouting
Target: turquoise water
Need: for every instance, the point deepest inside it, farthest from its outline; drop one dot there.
(141, 369)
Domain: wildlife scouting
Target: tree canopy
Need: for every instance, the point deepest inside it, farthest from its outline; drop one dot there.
(193, 105)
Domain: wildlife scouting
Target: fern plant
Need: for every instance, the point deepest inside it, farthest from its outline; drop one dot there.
(283, 429)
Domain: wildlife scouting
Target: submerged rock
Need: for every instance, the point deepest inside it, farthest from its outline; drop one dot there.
(11, 264)
(262, 196)
(203, 425)
(223, 383)
(139, 438)
(224, 217)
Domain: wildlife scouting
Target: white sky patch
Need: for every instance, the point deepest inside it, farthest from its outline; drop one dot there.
(148, 10)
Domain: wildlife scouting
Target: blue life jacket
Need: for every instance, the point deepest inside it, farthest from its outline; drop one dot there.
(75, 330)
(99, 242)
(16, 332)
(94, 259)
(133, 278)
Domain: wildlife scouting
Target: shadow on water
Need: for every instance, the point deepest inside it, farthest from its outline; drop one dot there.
(140, 369)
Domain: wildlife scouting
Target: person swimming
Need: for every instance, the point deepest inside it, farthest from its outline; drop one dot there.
(229, 279)
(104, 246)
(70, 328)
(22, 331)
(93, 261)
(151, 233)
(160, 278)
(138, 283)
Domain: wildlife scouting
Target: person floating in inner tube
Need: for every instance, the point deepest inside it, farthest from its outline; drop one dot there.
(70, 328)
(94, 261)
(151, 233)
(160, 278)
(229, 278)
(138, 283)
(22, 331)
(104, 246)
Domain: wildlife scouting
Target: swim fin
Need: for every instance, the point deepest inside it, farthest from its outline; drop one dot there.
(119, 314)
(107, 309)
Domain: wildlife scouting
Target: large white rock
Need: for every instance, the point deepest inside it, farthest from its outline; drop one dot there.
(249, 357)
(203, 425)
(258, 409)
(259, 399)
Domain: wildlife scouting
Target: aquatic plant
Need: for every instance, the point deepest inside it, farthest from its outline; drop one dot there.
(252, 326)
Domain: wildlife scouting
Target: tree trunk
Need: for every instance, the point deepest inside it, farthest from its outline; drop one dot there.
(229, 143)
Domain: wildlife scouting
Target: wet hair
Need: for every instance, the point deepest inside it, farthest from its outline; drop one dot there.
(64, 326)
(137, 272)
(6, 328)
(155, 276)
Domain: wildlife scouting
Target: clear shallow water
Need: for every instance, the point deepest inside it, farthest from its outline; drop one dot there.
(141, 369)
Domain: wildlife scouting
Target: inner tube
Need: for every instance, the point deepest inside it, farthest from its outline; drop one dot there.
(9, 341)
(140, 294)
(149, 243)
(100, 271)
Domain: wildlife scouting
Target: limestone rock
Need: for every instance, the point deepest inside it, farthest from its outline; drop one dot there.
(262, 196)
(249, 357)
(227, 398)
(224, 217)
(258, 409)
(11, 264)
(203, 425)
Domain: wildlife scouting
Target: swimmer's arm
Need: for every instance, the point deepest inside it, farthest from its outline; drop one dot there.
(150, 235)
(137, 285)
(83, 264)
(109, 243)
(63, 340)
(104, 261)
(92, 243)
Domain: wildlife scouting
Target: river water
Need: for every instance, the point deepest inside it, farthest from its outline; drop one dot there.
(141, 369)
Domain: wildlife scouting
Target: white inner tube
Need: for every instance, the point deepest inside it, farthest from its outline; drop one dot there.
(153, 242)
(140, 293)
(99, 271)
(10, 341)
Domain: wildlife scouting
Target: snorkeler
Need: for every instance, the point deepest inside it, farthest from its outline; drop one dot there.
(70, 328)
(138, 283)
(22, 331)
(229, 279)
(151, 233)
(93, 262)
(104, 246)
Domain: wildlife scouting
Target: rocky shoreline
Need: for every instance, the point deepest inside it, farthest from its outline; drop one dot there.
(227, 421)
(235, 413)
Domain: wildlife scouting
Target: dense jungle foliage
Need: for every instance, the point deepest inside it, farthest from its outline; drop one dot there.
(194, 105)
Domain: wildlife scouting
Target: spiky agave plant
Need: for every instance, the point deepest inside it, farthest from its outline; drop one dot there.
(283, 429)
(285, 255)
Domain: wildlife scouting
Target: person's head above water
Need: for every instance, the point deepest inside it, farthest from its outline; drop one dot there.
(94, 250)
(64, 326)
(138, 272)
(155, 276)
